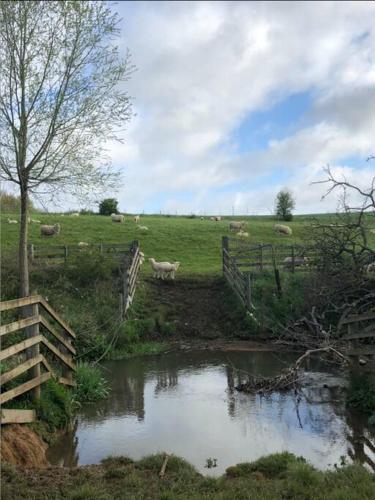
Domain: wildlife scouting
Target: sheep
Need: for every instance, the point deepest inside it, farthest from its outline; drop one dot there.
(280, 229)
(12, 221)
(82, 244)
(164, 269)
(236, 225)
(137, 219)
(49, 230)
(298, 262)
(141, 258)
(142, 228)
(74, 214)
(217, 218)
(202, 218)
(34, 221)
(117, 218)
(369, 270)
(212, 218)
(242, 234)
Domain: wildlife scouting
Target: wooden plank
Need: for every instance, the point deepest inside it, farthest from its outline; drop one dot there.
(57, 353)
(59, 337)
(358, 317)
(11, 374)
(363, 335)
(13, 304)
(17, 416)
(21, 346)
(27, 386)
(55, 316)
(19, 325)
(66, 381)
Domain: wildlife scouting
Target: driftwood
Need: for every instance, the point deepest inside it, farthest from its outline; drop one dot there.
(164, 466)
(288, 378)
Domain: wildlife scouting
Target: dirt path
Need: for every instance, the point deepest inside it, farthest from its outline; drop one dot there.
(199, 308)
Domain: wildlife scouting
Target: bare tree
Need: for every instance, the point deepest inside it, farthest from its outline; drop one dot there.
(60, 99)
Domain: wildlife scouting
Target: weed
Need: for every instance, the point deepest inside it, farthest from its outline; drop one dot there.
(91, 385)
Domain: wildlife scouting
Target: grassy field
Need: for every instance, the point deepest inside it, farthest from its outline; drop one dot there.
(195, 243)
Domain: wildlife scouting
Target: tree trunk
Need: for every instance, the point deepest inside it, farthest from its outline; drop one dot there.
(22, 249)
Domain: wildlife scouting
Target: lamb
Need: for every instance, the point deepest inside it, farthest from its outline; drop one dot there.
(34, 221)
(49, 230)
(242, 234)
(217, 218)
(280, 229)
(137, 219)
(164, 269)
(298, 262)
(237, 225)
(82, 244)
(12, 221)
(142, 228)
(117, 218)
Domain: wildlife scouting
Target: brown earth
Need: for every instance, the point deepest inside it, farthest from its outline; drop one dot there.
(20, 445)
(199, 308)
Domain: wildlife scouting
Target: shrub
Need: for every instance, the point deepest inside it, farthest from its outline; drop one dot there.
(91, 385)
(271, 466)
(108, 206)
(56, 405)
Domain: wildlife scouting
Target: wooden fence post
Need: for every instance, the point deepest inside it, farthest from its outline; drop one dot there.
(33, 331)
(31, 252)
(121, 306)
(125, 292)
(293, 262)
(65, 253)
(225, 248)
(261, 257)
(101, 248)
(248, 291)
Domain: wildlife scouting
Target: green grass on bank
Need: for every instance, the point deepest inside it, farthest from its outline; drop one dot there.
(279, 476)
(195, 243)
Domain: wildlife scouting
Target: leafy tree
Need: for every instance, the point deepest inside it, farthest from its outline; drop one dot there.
(108, 206)
(284, 205)
(11, 204)
(60, 100)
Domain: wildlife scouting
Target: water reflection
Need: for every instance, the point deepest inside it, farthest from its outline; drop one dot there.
(186, 403)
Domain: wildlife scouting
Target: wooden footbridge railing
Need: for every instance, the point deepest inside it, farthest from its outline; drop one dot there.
(128, 278)
(36, 345)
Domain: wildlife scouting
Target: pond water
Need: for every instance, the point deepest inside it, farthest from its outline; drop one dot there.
(186, 403)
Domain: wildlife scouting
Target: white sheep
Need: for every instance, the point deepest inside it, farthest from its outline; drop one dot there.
(281, 229)
(217, 218)
(298, 262)
(242, 234)
(142, 228)
(212, 218)
(12, 221)
(34, 221)
(117, 218)
(49, 230)
(82, 244)
(236, 225)
(74, 214)
(164, 269)
(141, 258)
(202, 218)
(137, 219)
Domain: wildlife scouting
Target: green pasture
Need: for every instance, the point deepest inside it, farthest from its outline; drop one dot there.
(194, 242)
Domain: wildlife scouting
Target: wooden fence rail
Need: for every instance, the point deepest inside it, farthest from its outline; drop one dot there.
(38, 345)
(242, 263)
(62, 253)
(128, 279)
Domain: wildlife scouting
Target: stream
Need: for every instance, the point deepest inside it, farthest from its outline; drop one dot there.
(186, 403)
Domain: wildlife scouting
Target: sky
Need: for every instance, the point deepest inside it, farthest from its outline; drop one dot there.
(234, 101)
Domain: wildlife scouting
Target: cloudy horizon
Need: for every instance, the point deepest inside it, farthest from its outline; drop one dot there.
(237, 100)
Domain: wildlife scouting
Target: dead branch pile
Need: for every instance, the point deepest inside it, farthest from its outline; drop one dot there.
(289, 378)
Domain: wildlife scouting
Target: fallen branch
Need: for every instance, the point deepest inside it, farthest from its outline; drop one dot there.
(164, 466)
(288, 378)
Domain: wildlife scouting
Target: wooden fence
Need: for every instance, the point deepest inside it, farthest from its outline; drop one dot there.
(61, 253)
(356, 328)
(41, 347)
(128, 278)
(243, 263)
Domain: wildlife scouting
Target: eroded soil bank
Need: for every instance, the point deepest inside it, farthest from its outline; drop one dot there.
(21, 445)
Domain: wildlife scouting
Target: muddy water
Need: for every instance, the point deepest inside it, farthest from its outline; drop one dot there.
(186, 404)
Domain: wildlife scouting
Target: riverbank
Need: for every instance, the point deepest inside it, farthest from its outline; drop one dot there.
(274, 477)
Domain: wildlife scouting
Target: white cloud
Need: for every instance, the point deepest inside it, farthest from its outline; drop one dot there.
(203, 66)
